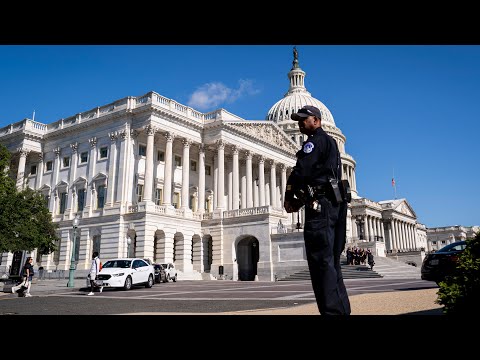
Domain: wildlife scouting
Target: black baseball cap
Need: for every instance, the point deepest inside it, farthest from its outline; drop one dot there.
(306, 111)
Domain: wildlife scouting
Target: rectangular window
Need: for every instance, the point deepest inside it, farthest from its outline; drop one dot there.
(176, 200)
(178, 160)
(81, 199)
(56, 254)
(97, 239)
(83, 157)
(46, 198)
(103, 152)
(66, 162)
(193, 165)
(33, 169)
(142, 150)
(101, 197)
(49, 165)
(158, 196)
(139, 193)
(77, 246)
(208, 170)
(160, 155)
(63, 202)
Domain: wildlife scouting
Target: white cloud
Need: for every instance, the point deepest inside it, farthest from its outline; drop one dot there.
(211, 96)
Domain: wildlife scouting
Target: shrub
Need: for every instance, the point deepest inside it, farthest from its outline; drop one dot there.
(460, 292)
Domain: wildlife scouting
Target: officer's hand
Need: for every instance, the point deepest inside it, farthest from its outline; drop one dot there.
(292, 205)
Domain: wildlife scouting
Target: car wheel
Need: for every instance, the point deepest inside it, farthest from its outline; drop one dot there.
(128, 283)
(175, 278)
(149, 284)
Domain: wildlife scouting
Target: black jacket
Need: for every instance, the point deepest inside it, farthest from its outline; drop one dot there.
(317, 161)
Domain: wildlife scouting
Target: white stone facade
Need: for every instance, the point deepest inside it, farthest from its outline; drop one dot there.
(204, 190)
(441, 236)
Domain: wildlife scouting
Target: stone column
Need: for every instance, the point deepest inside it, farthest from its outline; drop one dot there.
(215, 179)
(283, 184)
(129, 189)
(382, 230)
(248, 169)
(235, 183)
(91, 173)
(56, 201)
(71, 178)
(221, 174)
(201, 178)
(40, 171)
(185, 173)
(167, 184)
(122, 168)
(261, 179)
(273, 184)
(243, 185)
(229, 160)
(148, 188)
(21, 167)
(112, 169)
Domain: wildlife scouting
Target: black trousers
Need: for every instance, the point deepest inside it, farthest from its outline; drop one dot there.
(325, 237)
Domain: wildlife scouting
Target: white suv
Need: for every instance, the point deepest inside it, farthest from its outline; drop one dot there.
(170, 271)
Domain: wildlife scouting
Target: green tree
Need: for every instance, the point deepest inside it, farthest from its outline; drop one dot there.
(25, 222)
(460, 293)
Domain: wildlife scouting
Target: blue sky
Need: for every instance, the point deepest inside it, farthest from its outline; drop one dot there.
(412, 111)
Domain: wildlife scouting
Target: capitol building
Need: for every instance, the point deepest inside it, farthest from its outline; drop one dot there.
(149, 177)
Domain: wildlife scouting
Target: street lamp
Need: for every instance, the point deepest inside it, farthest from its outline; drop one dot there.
(129, 241)
(72, 259)
(299, 225)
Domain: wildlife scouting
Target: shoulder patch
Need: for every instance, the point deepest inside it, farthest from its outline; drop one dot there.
(308, 147)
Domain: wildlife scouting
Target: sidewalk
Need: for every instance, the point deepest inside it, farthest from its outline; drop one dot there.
(412, 302)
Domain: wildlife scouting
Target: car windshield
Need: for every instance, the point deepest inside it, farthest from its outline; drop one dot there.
(123, 264)
(454, 247)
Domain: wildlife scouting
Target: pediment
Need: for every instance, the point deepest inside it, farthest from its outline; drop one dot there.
(45, 188)
(266, 132)
(405, 208)
(62, 184)
(99, 176)
(80, 180)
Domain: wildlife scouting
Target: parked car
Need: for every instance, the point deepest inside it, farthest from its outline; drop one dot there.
(160, 274)
(437, 265)
(170, 271)
(126, 272)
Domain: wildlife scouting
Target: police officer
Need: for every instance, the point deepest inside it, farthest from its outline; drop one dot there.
(319, 167)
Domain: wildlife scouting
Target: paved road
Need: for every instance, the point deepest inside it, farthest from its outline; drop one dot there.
(368, 296)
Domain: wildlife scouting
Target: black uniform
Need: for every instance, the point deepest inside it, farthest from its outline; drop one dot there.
(325, 230)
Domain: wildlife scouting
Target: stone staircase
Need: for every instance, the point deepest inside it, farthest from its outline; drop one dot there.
(348, 272)
(190, 275)
(384, 268)
(394, 269)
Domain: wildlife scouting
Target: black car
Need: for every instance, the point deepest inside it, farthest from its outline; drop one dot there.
(437, 265)
(160, 274)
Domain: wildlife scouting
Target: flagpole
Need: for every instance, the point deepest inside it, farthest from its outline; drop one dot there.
(394, 184)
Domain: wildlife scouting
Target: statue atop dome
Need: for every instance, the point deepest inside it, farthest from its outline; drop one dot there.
(295, 58)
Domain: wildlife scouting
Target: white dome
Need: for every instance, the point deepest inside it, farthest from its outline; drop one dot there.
(282, 110)
(297, 97)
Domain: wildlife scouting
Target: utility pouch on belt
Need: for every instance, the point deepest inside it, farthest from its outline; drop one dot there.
(337, 195)
(347, 193)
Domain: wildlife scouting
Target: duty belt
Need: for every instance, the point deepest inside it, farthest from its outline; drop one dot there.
(320, 189)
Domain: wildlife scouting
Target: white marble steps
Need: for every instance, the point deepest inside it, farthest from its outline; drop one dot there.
(390, 268)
